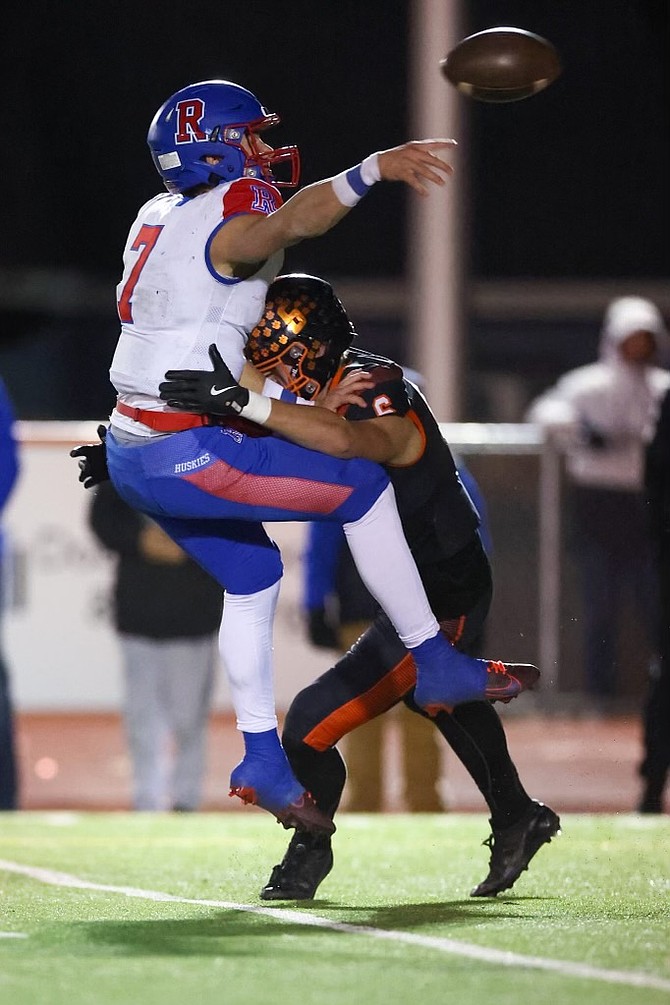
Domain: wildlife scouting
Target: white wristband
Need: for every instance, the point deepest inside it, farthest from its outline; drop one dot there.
(257, 409)
(370, 172)
(350, 186)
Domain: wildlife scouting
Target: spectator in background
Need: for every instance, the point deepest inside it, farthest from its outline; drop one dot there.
(338, 610)
(656, 762)
(167, 611)
(600, 415)
(9, 468)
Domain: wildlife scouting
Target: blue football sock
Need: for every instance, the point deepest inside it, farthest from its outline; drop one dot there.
(265, 769)
(446, 676)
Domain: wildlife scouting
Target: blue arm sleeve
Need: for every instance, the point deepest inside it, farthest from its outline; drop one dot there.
(322, 553)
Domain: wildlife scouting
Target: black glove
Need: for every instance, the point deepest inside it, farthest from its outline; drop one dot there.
(208, 392)
(321, 634)
(93, 461)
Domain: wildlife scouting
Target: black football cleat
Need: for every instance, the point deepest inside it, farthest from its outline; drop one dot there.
(514, 847)
(307, 862)
(651, 800)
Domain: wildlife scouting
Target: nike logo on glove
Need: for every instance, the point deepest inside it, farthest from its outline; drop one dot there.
(217, 390)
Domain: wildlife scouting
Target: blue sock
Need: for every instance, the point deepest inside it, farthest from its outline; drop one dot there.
(446, 675)
(265, 768)
(263, 744)
(428, 652)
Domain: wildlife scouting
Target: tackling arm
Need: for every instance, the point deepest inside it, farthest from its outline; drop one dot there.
(390, 439)
(387, 440)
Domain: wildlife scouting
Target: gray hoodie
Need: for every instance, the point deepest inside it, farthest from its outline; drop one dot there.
(602, 415)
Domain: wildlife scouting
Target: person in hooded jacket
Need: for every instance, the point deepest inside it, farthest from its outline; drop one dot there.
(602, 416)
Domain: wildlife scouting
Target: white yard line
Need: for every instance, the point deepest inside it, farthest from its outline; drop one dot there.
(13, 935)
(486, 955)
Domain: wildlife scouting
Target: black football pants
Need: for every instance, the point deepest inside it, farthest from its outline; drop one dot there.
(371, 678)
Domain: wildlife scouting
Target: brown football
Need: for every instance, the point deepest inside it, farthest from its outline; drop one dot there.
(501, 64)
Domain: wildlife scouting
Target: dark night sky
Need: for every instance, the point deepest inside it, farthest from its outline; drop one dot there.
(573, 182)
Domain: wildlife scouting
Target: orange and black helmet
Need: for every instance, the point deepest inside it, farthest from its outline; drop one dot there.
(302, 334)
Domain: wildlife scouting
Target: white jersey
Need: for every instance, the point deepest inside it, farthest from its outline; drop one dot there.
(171, 302)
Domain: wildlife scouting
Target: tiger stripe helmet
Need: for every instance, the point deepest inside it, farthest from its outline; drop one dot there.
(302, 334)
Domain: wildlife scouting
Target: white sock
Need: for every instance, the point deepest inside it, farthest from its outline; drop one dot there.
(387, 568)
(245, 644)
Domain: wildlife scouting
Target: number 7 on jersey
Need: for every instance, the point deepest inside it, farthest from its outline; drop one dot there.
(145, 243)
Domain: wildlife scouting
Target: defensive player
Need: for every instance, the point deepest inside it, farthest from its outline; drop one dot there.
(197, 263)
(300, 342)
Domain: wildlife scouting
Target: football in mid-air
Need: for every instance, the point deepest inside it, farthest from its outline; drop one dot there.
(501, 64)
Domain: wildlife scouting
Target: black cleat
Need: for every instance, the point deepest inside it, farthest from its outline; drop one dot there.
(651, 800)
(513, 848)
(650, 803)
(308, 860)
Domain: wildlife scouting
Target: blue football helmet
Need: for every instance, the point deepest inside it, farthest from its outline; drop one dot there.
(302, 335)
(212, 118)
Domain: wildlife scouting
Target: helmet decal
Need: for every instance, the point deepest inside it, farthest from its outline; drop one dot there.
(293, 318)
(168, 161)
(189, 116)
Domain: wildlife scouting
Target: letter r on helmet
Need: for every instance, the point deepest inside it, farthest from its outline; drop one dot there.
(189, 114)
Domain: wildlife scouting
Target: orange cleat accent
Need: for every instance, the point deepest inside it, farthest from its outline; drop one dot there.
(246, 794)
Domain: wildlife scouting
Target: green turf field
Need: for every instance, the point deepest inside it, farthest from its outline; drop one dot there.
(115, 908)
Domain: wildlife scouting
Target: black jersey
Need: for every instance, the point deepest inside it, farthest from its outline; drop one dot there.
(438, 516)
